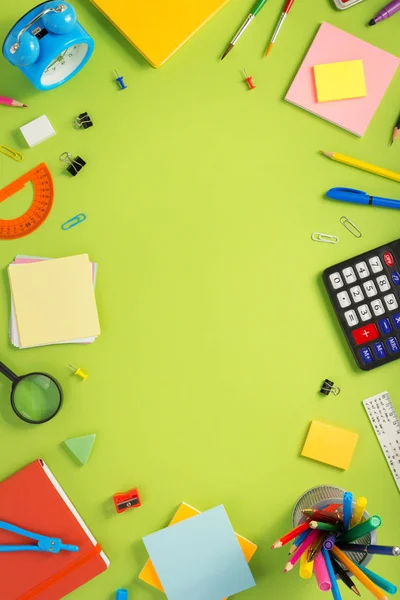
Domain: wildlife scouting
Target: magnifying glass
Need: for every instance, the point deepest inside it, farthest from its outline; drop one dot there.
(35, 397)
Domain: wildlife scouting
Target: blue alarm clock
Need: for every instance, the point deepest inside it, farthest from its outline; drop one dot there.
(48, 45)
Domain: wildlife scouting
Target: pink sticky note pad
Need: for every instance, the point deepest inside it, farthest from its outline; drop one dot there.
(334, 45)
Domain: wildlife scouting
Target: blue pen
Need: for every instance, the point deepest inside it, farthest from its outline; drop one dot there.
(347, 509)
(388, 587)
(335, 588)
(359, 197)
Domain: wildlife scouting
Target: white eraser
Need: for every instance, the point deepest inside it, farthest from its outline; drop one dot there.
(37, 131)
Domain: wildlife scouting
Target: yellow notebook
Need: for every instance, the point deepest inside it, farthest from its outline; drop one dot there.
(54, 300)
(158, 28)
(148, 573)
(329, 444)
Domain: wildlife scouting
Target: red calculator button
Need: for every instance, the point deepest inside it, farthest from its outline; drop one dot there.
(365, 334)
(388, 258)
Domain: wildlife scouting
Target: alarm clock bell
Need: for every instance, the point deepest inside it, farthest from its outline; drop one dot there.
(48, 44)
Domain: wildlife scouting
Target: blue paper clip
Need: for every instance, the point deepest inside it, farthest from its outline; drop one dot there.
(74, 221)
(44, 543)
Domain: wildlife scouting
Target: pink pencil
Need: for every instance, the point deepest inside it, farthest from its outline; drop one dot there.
(11, 102)
(312, 536)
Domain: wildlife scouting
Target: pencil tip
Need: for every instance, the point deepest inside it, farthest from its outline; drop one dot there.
(229, 48)
(268, 50)
(24, 106)
(372, 22)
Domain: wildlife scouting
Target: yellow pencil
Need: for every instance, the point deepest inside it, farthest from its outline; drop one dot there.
(359, 511)
(306, 568)
(364, 166)
(364, 579)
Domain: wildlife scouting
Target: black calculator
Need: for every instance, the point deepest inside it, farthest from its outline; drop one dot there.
(365, 293)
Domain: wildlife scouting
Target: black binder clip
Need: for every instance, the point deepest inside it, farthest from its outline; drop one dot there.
(75, 164)
(328, 387)
(82, 121)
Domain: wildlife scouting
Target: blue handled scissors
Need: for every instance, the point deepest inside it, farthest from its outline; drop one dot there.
(44, 543)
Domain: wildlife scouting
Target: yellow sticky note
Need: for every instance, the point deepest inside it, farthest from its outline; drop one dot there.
(54, 300)
(330, 444)
(340, 81)
(185, 511)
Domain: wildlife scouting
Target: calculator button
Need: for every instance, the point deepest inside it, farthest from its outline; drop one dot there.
(336, 281)
(380, 350)
(362, 270)
(364, 312)
(385, 326)
(393, 345)
(344, 299)
(365, 334)
(383, 283)
(388, 258)
(376, 264)
(377, 307)
(390, 301)
(370, 288)
(351, 318)
(356, 293)
(396, 320)
(349, 275)
(396, 278)
(366, 355)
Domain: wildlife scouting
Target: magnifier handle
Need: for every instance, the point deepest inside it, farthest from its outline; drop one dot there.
(8, 373)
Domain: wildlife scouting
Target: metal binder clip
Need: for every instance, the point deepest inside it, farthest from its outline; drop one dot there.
(350, 226)
(75, 164)
(82, 121)
(324, 237)
(328, 387)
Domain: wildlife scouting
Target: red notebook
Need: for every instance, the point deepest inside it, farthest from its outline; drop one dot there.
(34, 500)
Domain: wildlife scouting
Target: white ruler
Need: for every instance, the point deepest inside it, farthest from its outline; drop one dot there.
(385, 422)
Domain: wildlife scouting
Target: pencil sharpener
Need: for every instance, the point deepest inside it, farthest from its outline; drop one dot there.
(124, 501)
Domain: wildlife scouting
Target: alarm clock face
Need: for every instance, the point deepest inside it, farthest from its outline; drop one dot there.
(64, 64)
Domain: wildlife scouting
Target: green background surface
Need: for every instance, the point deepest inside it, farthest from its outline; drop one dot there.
(201, 198)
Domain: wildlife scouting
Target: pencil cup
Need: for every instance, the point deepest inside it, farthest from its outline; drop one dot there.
(320, 497)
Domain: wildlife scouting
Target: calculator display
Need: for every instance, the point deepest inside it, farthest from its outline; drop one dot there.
(365, 293)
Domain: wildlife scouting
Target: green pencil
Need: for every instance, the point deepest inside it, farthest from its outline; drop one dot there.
(324, 526)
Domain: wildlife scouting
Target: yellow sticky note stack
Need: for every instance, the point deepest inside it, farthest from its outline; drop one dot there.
(185, 511)
(340, 81)
(330, 444)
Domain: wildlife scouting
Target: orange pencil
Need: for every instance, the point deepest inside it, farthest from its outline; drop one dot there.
(291, 535)
(364, 579)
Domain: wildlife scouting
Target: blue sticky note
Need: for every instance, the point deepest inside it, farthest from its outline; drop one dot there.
(200, 558)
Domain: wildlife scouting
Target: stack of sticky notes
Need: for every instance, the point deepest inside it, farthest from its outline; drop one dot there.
(340, 81)
(198, 556)
(53, 301)
(329, 444)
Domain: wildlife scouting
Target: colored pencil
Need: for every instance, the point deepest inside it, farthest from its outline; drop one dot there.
(324, 516)
(358, 514)
(370, 549)
(306, 568)
(362, 529)
(364, 579)
(364, 166)
(300, 550)
(298, 541)
(334, 585)
(396, 131)
(288, 6)
(291, 535)
(324, 526)
(347, 580)
(11, 102)
(390, 588)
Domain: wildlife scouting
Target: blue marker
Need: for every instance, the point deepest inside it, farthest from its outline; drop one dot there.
(335, 588)
(388, 587)
(347, 509)
(359, 197)
(121, 594)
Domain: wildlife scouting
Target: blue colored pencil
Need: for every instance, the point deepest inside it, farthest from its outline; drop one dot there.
(299, 540)
(385, 585)
(347, 509)
(335, 588)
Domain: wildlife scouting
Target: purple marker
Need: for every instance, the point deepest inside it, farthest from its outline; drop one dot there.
(387, 11)
(330, 541)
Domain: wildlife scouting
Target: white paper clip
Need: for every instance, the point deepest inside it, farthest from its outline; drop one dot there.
(324, 237)
(350, 226)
